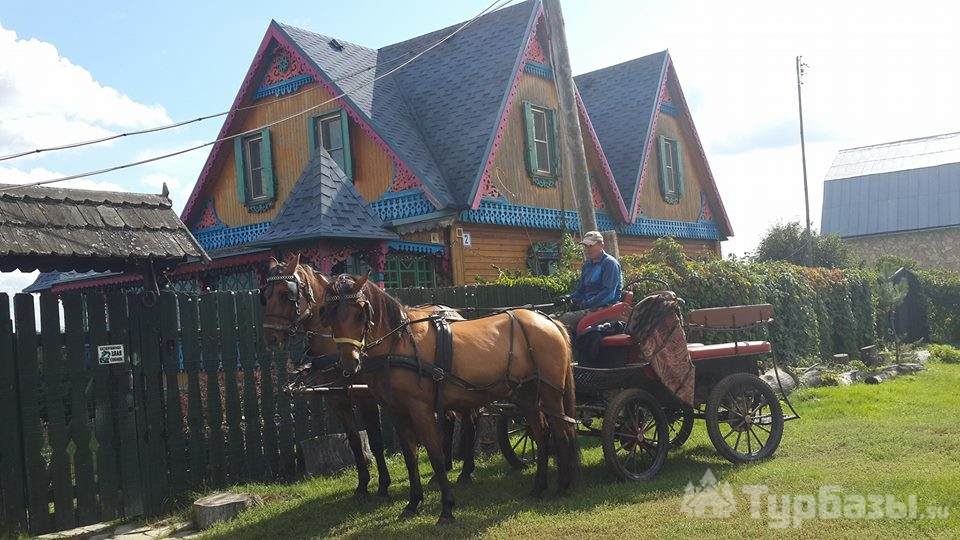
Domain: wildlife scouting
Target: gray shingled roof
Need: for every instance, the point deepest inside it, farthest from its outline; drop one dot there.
(621, 101)
(49, 228)
(893, 187)
(439, 112)
(324, 204)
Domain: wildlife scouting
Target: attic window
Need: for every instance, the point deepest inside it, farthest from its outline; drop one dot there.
(336, 45)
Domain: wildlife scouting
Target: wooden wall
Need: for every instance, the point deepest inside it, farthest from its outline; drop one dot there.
(510, 166)
(637, 245)
(505, 247)
(373, 168)
(694, 173)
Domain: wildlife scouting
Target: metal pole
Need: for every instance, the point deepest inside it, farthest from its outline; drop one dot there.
(803, 154)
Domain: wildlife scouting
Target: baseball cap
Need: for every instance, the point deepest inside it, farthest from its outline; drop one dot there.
(592, 238)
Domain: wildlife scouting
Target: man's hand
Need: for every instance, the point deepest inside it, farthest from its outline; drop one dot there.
(562, 300)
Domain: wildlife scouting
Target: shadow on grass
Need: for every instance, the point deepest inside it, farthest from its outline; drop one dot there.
(496, 495)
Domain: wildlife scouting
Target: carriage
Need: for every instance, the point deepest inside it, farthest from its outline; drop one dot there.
(638, 419)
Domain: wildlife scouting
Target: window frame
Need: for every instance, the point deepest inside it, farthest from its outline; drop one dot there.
(249, 169)
(315, 135)
(394, 272)
(244, 171)
(671, 169)
(543, 172)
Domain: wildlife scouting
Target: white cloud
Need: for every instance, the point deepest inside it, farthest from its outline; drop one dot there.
(46, 100)
(11, 175)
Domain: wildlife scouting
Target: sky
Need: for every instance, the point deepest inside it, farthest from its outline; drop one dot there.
(878, 72)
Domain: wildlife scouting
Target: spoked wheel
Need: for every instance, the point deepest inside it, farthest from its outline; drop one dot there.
(681, 425)
(516, 440)
(744, 418)
(635, 435)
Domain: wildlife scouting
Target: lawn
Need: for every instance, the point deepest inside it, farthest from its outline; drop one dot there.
(901, 438)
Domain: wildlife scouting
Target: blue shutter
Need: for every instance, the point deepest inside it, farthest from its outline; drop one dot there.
(269, 187)
(531, 152)
(241, 170)
(345, 134)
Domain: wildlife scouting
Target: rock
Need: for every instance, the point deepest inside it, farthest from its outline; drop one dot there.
(330, 454)
(812, 376)
(906, 368)
(849, 377)
(87, 531)
(787, 380)
(221, 507)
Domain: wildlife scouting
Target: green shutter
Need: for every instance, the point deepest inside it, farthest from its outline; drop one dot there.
(531, 147)
(312, 135)
(241, 170)
(664, 189)
(552, 140)
(345, 134)
(269, 189)
(678, 163)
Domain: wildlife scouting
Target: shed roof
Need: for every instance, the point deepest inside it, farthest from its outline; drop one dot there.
(50, 228)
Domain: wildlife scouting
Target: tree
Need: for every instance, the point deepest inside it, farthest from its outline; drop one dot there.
(787, 242)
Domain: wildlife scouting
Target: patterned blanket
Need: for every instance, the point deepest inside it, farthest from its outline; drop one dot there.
(655, 324)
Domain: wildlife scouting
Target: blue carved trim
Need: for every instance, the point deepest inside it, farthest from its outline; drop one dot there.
(668, 108)
(515, 215)
(222, 237)
(405, 204)
(284, 87)
(540, 70)
(416, 247)
(260, 208)
(544, 181)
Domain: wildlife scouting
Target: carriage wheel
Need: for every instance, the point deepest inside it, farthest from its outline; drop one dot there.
(516, 441)
(635, 435)
(744, 418)
(680, 425)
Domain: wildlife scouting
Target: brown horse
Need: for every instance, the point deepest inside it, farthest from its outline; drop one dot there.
(519, 355)
(287, 300)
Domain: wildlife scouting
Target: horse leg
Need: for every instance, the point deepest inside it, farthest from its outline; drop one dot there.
(408, 447)
(468, 438)
(449, 424)
(344, 410)
(532, 414)
(559, 434)
(428, 430)
(370, 412)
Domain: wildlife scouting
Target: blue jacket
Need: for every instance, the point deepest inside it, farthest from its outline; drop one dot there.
(599, 283)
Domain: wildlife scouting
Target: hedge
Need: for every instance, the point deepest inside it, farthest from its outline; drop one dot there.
(818, 312)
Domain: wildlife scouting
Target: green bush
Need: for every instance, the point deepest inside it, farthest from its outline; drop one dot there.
(944, 353)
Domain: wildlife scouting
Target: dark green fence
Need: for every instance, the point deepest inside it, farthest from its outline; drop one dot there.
(192, 402)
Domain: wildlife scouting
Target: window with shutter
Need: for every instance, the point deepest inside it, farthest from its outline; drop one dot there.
(671, 170)
(541, 138)
(331, 131)
(254, 168)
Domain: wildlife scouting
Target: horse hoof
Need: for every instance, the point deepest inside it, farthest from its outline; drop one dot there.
(361, 495)
(383, 493)
(407, 513)
(445, 520)
(464, 479)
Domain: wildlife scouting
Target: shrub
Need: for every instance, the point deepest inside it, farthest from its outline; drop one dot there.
(944, 353)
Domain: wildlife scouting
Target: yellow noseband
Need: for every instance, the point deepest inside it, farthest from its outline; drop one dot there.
(350, 341)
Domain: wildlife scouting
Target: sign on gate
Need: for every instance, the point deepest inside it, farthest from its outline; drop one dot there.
(110, 354)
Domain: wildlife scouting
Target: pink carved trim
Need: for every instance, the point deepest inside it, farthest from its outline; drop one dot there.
(597, 199)
(607, 172)
(486, 182)
(275, 34)
(488, 188)
(208, 218)
(403, 178)
(705, 213)
(535, 52)
(648, 148)
(284, 65)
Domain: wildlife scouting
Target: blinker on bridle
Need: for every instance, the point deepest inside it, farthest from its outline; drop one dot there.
(294, 285)
(358, 343)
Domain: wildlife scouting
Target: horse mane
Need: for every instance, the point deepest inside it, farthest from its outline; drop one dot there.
(392, 312)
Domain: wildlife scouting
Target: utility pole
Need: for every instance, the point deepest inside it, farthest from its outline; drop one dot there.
(803, 155)
(574, 154)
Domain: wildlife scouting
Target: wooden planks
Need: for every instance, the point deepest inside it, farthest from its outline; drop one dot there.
(14, 509)
(229, 355)
(56, 389)
(196, 440)
(81, 384)
(248, 331)
(210, 353)
(108, 474)
(170, 349)
(121, 378)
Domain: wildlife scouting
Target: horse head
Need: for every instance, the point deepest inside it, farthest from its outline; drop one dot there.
(291, 297)
(349, 312)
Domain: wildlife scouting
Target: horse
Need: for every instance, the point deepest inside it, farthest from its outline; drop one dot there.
(323, 370)
(520, 355)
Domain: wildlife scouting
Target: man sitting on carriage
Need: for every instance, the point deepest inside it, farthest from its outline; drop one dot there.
(599, 284)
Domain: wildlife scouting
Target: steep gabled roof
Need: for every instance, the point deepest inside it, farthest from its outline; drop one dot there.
(621, 101)
(622, 104)
(893, 187)
(324, 204)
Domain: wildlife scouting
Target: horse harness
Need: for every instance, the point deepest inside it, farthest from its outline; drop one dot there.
(294, 286)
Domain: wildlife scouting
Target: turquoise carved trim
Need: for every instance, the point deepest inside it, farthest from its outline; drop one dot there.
(544, 181)
(221, 237)
(516, 215)
(401, 205)
(288, 86)
(416, 247)
(540, 70)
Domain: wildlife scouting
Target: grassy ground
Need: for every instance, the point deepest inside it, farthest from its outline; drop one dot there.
(900, 438)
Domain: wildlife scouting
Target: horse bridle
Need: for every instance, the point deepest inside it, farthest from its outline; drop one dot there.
(360, 344)
(294, 287)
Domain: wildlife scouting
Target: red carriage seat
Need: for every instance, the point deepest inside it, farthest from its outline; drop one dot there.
(613, 312)
(699, 351)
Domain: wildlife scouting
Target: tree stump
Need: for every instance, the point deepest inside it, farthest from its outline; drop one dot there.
(221, 507)
(330, 454)
(787, 380)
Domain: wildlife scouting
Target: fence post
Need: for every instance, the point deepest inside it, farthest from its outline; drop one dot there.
(80, 383)
(210, 343)
(11, 451)
(197, 448)
(56, 388)
(170, 350)
(104, 416)
(248, 332)
(229, 351)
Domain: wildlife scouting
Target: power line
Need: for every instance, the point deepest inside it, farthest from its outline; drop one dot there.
(78, 144)
(495, 5)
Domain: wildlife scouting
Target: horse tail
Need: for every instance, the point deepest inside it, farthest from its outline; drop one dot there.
(570, 409)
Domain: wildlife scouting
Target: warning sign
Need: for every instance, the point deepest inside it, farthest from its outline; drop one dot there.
(110, 354)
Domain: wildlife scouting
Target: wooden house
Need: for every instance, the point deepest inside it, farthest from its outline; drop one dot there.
(449, 168)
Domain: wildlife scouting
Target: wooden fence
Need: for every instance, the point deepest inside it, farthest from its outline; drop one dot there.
(192, 402)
